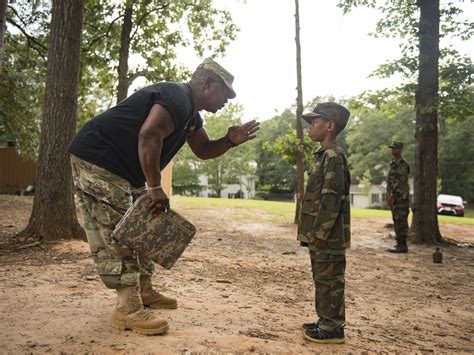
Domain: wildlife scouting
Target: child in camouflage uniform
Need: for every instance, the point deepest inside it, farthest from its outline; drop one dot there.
(324, 222)
(398, 197)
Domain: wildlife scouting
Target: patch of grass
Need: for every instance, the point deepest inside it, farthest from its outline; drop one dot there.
(368, 212)
(255, 210)
(469, 212)
(456, 220)
(284, 212)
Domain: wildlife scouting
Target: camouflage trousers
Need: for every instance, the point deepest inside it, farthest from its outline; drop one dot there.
(400, 222)
(328, 275)
(103, 198)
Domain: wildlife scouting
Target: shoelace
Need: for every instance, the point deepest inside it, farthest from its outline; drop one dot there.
(145, 312)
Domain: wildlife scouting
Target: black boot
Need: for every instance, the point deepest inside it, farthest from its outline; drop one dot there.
(323, 337)
(401, 246)
(311, 326)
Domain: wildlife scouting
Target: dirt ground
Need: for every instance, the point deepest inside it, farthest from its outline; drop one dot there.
(241, 287)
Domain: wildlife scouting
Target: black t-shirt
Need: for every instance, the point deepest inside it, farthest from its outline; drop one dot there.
(110, 140)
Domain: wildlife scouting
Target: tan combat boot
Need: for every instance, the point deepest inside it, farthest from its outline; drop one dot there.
(130, 314)
(152, 298)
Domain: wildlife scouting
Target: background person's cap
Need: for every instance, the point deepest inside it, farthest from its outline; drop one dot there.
(396, 144)
(330, 111)
(216, 68)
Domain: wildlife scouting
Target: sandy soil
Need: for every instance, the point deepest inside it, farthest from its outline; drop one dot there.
(241, 287)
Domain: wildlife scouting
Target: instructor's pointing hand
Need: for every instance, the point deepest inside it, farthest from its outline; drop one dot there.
(243, 133)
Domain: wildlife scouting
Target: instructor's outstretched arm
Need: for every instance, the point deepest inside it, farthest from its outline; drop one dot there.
(204, 148)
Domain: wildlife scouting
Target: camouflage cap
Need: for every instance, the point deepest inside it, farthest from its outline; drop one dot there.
(396, 144)
(330, 111)
(227, 78)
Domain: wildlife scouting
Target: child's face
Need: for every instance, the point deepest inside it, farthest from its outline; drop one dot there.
(319, 129)
(396, 152)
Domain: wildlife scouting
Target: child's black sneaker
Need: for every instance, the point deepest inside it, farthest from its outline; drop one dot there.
(323, 337)
(310, 326)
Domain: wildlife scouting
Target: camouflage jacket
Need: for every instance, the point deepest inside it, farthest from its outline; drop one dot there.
(397, 182)
(325, 208)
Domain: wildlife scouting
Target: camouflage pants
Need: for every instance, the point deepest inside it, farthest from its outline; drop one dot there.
(103, 198)
(328, 275)
(400, 222)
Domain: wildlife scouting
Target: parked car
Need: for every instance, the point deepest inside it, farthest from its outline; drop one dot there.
(450, 205)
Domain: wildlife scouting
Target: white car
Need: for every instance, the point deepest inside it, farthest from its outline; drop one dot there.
(451, 205)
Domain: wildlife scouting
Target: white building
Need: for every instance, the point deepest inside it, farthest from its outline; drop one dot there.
(246, 187)
(376, 197)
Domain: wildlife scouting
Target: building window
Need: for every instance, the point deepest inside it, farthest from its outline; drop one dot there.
(384, 197)
(375, 199)
(352, 199)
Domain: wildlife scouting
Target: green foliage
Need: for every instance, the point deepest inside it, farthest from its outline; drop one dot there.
(438, 185)
(456, 159)
(288, 145)
(373, 127)
(185, 179)
(23, 75)
(275, 174)
(399, 19)
(159, 29)
(220, 171)
(366, 182)
(371, 131)
(186, 171)
(20, 116)
(237, 161)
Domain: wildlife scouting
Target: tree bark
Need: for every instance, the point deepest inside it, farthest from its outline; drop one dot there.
(123, 80)
(424, 228)
(54, 214)
(299, 112)
(3, 25)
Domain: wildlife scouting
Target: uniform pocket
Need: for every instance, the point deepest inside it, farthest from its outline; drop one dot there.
(110, 271)
(307, 217)
(111, 267)
(101, 184)
(107, 215)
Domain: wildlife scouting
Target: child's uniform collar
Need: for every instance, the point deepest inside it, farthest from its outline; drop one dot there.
(321, 150)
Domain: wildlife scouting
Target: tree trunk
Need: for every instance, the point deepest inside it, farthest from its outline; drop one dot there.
(54, 213)
(299, 112)
(123, 80)
(424, 228)
(3, 25)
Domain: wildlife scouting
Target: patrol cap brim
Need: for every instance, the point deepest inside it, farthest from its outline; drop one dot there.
(308, 117)
(230, 90)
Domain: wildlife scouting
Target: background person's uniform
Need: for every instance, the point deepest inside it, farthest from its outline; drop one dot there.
(325, 213)
(107, 172)
(399, 190)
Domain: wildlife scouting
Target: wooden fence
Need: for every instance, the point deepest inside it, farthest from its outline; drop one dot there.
(16, 172)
